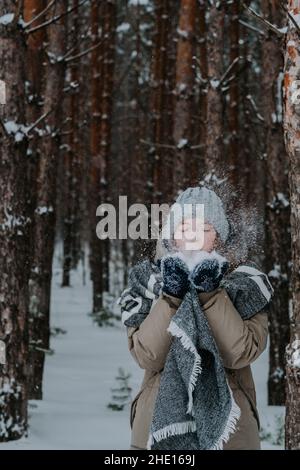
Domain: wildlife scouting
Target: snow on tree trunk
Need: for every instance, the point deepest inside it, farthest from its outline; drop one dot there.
(44, 214)
(292, 141)
(185, 77)
(14, 229)
(277, 225)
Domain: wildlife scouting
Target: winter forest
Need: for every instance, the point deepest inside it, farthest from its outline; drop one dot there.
(139, 98)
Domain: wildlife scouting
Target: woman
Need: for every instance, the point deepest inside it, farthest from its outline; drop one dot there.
(239, 340)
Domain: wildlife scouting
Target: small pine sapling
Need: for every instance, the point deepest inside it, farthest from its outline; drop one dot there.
(121, 395)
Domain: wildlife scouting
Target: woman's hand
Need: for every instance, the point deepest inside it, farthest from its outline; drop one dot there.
(207, 275)
(201, 269)
(175, 274)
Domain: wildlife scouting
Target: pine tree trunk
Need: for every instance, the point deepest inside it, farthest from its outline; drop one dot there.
(169, 114)
(44, 223)
(202, 106)
(215, 39)
(245, 127)
(277, 225)
(292, 141)
(102, 87)
(71, 160)
(106, 118)
(233, 106)
(35, 56)
(185, 77)
(158, 102)
(14, 230)
(96, 253)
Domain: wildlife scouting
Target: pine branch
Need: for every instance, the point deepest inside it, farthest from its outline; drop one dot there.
(197, 146)
(254, 107)
(226, 73)
(253, 28)
(70, 51)
(263, 21)
(83, 53)
(4, 128)
(42, 13)
(290, 16)
(38, 121)
(54, 19)
(238, 72)
(153, 144)
(73, 48)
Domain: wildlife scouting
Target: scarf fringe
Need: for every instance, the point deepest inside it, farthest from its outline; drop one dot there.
(174, 329)
(173, 429)
(230, 427)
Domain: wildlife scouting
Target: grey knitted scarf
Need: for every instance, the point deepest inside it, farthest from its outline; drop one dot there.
(194, 408)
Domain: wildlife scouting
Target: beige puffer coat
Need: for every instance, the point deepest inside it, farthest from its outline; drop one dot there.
(239, 343)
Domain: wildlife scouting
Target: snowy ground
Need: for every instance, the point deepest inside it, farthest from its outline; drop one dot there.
(79, 377)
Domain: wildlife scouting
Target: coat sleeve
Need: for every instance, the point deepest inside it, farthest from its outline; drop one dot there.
(149, 343)
(239, 341)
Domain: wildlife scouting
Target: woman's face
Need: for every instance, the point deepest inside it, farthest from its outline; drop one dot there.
(188, 235)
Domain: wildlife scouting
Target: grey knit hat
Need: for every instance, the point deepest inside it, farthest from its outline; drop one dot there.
(214, 213)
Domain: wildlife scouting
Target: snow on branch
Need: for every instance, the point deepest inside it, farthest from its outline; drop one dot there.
(18, 131)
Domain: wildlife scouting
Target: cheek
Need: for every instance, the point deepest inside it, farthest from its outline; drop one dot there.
(209, 238)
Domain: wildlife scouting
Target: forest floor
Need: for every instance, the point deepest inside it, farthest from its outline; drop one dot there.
(83, 369)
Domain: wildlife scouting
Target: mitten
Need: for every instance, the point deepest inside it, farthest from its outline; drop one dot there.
(175, 275)
(207, 275)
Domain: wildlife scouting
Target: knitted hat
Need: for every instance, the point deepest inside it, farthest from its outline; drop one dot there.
(214, 213)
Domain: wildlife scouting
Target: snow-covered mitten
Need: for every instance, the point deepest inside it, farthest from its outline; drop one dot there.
(208, 273)
(175, 274)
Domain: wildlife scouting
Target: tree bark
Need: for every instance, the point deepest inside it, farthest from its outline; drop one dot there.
(102, 88)
(199, 165)
(215, 39)
(184, 90)
(277, 222)
(96, 254)
(44, 222)
(14, 230)
(292, 141)
(233, 107)
(71, 163)
(158, 100)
